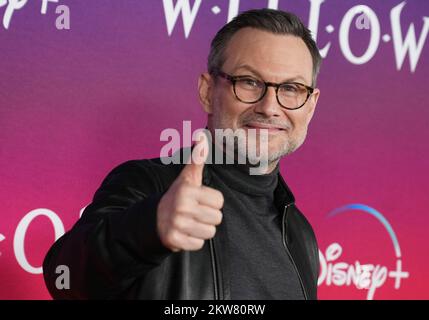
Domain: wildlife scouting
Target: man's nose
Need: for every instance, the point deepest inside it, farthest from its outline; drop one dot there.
(269, 105)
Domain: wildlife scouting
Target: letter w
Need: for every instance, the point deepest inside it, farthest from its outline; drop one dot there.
(188, 14)
(402, 46)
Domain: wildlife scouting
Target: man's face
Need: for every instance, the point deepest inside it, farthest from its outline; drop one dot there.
(268, 57)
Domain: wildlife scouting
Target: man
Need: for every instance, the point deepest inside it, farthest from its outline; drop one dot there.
(210, 231)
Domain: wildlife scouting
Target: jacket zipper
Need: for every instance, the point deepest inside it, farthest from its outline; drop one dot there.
(289, 254)
(214, 268)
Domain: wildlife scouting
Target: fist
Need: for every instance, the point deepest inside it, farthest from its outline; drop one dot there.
(189, 212)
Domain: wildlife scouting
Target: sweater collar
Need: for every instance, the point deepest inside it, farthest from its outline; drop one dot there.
(283, 196)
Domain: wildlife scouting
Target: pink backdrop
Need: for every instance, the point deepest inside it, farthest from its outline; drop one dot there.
(75, 103)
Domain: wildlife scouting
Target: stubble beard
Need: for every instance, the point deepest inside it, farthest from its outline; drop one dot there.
(252, 156)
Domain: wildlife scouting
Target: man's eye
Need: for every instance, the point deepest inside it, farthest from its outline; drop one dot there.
(289, 88)
(251, 83)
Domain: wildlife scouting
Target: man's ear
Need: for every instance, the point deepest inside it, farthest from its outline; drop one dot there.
(205, 90)
(312, 103)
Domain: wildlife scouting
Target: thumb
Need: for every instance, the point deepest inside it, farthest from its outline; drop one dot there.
(193, 171)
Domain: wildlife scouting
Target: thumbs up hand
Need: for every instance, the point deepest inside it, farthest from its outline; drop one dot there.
(189, 212)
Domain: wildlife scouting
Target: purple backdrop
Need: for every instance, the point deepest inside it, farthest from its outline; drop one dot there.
(76, 102)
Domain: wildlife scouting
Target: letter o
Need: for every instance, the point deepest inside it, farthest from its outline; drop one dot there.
(344, 34)
(19, 238)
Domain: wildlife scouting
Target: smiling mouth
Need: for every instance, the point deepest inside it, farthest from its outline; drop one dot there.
(264, 126)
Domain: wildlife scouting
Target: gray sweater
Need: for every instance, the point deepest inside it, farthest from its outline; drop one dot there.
(259, 265)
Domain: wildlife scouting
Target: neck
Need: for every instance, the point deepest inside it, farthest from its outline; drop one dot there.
(266, 170)
(220, 155)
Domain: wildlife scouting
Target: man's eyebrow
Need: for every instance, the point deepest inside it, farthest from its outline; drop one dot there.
(256, 73)
(248, 68)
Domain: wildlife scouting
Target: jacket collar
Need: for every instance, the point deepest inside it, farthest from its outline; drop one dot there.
(282, 194)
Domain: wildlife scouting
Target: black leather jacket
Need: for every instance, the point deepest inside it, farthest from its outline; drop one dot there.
(114, 252)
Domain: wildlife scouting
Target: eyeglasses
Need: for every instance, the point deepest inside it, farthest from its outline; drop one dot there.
(290, 95)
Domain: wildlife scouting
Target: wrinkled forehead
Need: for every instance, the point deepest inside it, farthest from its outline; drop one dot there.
(275, 57)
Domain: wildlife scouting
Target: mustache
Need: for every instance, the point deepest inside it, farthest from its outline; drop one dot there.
(286, 125)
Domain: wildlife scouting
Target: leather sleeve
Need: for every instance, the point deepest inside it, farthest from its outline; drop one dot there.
(115, 242)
